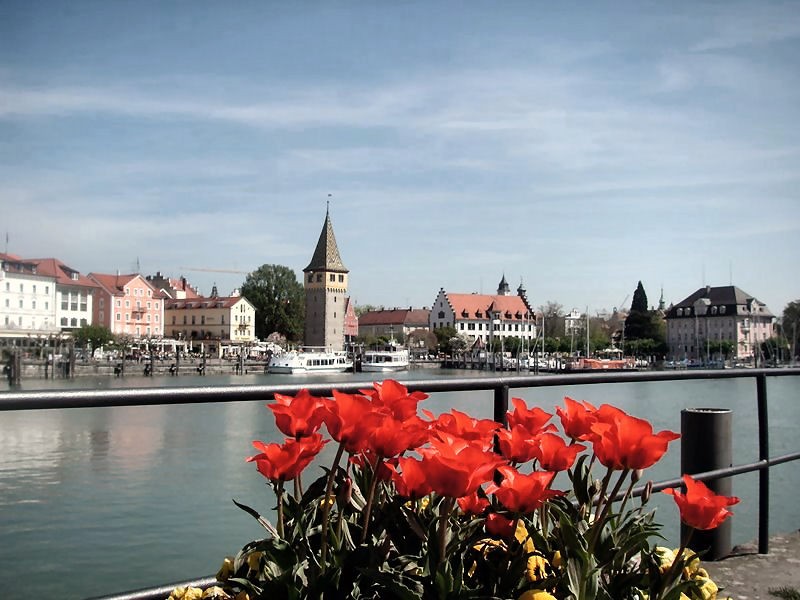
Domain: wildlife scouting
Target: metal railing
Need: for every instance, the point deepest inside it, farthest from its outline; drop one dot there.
(46, 399)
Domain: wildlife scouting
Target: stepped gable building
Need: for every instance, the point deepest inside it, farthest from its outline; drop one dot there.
(325, 282)
(480, 317)
(128, 304)
(712, 315)
(393, 322)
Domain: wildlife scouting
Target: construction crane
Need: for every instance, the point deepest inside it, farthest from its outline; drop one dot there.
(214, 270)
(621, 306)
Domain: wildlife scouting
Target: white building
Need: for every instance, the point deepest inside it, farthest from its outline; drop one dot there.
(27, 299)
(717, 314)
(485, 317)
(74, 294)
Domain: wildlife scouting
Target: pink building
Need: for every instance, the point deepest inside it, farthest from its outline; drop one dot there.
(128, 304)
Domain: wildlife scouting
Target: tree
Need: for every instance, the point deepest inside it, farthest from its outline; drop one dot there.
(449, 340)
(279, 300)
(360, 310)
(639, 302)
(790, 323)
(93, 336)
(553, 314)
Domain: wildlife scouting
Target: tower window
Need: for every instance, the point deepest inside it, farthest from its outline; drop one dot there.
(333, 277)
(341, 278)
(319, 277)
(310, 277)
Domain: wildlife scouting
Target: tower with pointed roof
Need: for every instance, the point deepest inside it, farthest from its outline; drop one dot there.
(503, 289)
(325, 281)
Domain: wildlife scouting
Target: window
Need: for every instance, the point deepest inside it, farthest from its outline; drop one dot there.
(148, 306)
(83, 322)
(149, 293)
(34, 288)
(21, 290)
(20, 303)
(332, 277)
(341, 278)
(119, 316)
(73, 322)
(461, 326)
(64, 321)
(148, 331)
(148, 318)
(202, 320)
(119, 303)
(47, 289)
(319, 277)
(310, 277)
(33, 304)
(6, 320)
(722, 310)
(7, 303)
(127, 291)
(156, 305)
(193, 321)
(102, 316)
(223, 319)
(441, 314)
(184, 319)
(127, 303)
(156, 319)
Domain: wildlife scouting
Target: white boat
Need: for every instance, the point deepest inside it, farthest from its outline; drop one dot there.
(384, 361)
(310, 362)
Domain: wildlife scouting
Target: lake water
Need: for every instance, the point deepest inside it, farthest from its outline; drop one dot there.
(103, 500)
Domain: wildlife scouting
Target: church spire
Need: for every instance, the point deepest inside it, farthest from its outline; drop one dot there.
(326, 254)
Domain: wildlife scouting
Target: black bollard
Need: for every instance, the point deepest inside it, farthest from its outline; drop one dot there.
(706, 445)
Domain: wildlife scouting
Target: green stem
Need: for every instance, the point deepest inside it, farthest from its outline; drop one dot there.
(370, 499)
(627, 496)
(447, 508)
(598, 522)
(326, 507)
(601, 497)
(279, 494)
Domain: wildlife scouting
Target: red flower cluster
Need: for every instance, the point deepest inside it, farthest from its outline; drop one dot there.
(701, 508)
(455, 452)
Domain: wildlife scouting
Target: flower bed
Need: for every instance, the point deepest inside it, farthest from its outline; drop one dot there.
(449, 506)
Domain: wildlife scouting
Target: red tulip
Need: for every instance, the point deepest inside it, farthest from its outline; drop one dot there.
(456, 468)
(499, 526)
(284, 462)
(350, 419)
(577, 418)
(394, 397)
(699, 506)
(554, 454)
(461, 425)
(523, 493)
(621, 441)
(517, 444)
(533, 419)
(473, 504)
(411, 479)
(390, 437)
(297, 416)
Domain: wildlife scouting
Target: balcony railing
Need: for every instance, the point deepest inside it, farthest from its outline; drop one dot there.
(36, 400)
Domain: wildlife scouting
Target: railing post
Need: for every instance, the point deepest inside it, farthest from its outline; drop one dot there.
(501, 404)
(706, 446)
(763, 455)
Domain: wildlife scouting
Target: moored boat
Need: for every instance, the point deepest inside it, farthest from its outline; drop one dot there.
(310, 362)
(385, 361)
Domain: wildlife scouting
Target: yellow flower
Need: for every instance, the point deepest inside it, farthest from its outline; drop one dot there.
(708, 589)
(226, 570)
(691, 567)
(536, 568)
(254, 561)
(521, 534)
(537, 595)
(186, 593)
(665, 558)
(215, 593)
(556, 560)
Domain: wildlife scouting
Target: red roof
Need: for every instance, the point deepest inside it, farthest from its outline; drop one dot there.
(115, 284)
(64, 275)
(201, 302)
(477, 306)
(398, 316)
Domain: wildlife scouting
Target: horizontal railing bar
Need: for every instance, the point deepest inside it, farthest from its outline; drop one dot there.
(161, 592)
(52, 399)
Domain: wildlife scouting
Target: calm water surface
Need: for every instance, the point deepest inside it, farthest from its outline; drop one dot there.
(98, 501)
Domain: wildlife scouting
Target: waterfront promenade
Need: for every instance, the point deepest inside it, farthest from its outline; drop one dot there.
(747, 575)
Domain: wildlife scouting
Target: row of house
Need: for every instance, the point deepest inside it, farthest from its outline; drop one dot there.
(45, 298)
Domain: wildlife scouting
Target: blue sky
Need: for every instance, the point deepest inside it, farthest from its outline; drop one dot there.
(580, 147)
